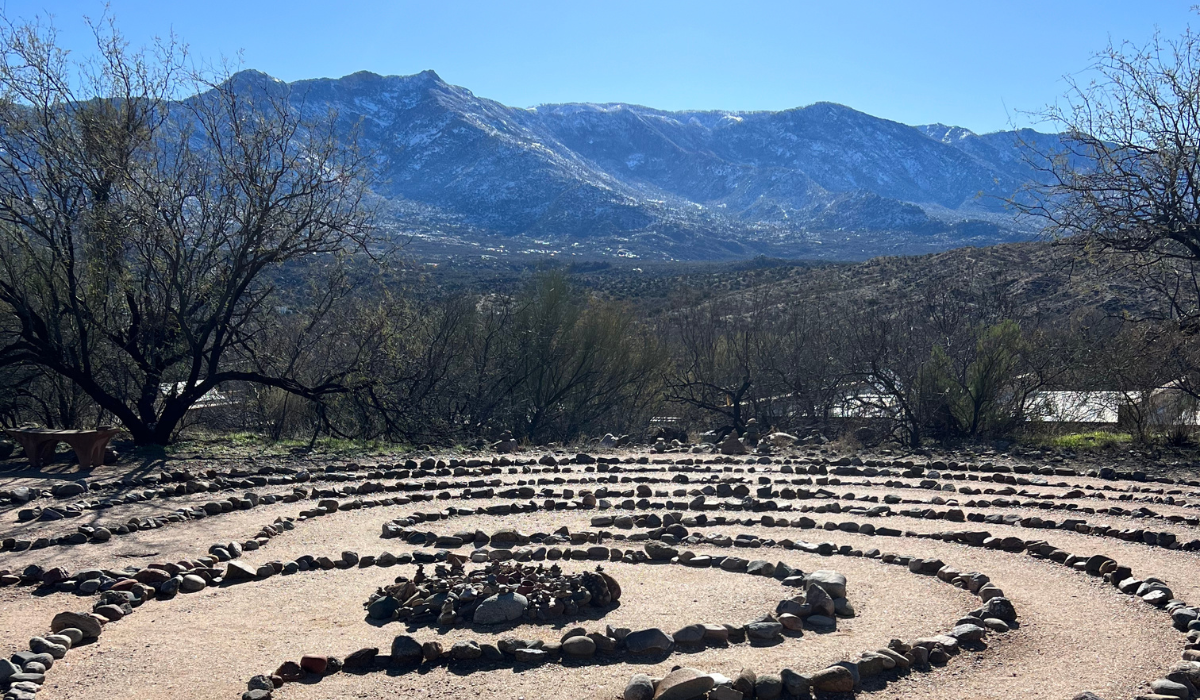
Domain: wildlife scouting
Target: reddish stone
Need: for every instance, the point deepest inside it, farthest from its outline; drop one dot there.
(313, 663)
(290, 671)
(151, 576)
(55, 575)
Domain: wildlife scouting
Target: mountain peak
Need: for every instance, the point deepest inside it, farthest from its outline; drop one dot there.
(431, 76)
(251, 77)
(944, 132)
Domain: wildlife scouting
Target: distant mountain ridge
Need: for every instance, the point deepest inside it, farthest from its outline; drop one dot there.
(821, 181)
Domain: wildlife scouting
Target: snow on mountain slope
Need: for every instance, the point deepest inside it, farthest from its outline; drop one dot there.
(823, 180)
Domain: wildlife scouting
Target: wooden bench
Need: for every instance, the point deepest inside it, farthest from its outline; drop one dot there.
(39, 444)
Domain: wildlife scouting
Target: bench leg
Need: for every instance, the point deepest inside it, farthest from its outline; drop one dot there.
(89, 450)
(38, 449)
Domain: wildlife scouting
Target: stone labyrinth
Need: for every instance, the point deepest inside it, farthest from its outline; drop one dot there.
(636, 576)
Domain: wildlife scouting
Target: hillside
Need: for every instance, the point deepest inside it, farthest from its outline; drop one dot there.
(1038, 279)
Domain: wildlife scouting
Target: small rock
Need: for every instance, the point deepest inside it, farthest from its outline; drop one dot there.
(500, 608)
(465, 651)
(406, 651)
(835, 679)
(684, 684)
(363, 658)
(579, 646)
(649, 641)
(640, 687)
(768, 687)
(765, 631)
(83, 622)
(290, 672)
(967, 633)
(833, 582)
(39, 645)
(313, 664)
(530, 656)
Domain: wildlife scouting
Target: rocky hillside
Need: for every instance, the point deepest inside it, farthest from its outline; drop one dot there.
(822, 181)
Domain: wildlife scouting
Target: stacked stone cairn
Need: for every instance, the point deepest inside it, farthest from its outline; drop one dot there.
(497, 593)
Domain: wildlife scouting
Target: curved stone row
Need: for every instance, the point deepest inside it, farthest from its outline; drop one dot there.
(58, 579)
(996, 614)
(1183, 679)
(165, 581)
(95, 533)
(184, 577)
(1163, 539)
(262, 476)
(184, 482)
(24, 672)
(23, 675)
(98, 581)
(93, 581)
(191, 483)
(588, 500)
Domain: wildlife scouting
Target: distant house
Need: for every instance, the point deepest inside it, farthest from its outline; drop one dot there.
(1090, 407)
(1167, 405)
(864, 401)
(1172, 404)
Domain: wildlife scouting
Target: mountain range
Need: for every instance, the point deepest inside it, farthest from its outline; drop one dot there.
(464, 175)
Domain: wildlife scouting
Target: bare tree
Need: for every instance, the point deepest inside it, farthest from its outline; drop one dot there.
(809, 360)
(1124, 177)
(718, 348)
(143, 240)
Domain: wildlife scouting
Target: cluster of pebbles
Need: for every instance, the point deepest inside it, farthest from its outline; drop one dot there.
(497, 593)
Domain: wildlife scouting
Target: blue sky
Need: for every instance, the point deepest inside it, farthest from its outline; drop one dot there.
(972, 63)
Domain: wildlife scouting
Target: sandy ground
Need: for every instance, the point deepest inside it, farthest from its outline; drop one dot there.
(1076, 632)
